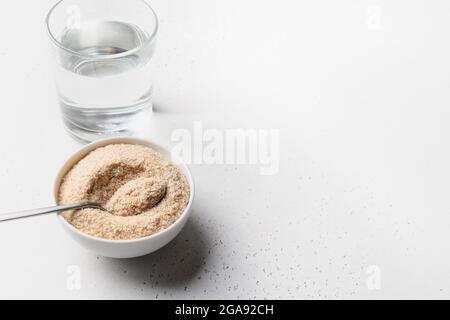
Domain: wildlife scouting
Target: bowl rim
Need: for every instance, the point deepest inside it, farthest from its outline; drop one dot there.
(86, 149)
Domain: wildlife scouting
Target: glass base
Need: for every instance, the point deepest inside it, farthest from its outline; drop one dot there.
(87, 125)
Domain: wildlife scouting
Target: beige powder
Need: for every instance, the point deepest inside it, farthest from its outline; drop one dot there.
(136, 196)
(142, 191)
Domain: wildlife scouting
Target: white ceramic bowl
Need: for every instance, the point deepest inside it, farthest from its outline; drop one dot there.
(124, 248)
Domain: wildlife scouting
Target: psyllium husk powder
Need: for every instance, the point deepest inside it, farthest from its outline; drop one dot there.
(141, 190)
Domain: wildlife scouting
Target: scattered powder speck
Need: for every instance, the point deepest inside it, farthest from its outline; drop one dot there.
(142, 191)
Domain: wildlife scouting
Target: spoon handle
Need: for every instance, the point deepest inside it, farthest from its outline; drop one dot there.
(35, 212)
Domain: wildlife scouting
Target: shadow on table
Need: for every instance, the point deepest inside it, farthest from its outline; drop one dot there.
(173, 265)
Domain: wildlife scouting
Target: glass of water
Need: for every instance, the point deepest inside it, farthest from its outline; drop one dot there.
(103, 59)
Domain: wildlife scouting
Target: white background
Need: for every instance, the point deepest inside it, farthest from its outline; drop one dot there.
(360, 93)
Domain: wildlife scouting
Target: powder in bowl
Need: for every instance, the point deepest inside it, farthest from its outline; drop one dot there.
(142, 191)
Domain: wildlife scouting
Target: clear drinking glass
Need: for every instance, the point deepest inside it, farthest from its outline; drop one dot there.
(103, 63)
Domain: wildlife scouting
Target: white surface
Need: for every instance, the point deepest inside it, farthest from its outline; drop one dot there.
(363, 114)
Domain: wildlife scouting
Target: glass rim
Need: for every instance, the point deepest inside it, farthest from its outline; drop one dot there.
(106, 56)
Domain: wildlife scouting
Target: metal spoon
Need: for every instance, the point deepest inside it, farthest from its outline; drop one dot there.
(36, 212)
